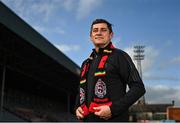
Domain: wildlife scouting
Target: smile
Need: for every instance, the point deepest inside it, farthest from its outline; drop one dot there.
(99, 38)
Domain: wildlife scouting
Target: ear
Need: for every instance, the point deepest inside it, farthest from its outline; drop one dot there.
(91, 37)
(111, 35)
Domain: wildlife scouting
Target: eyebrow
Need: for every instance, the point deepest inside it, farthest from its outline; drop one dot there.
(100, 28)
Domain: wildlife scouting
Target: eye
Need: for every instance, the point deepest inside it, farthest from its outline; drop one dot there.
(104, 30)
(95, 30)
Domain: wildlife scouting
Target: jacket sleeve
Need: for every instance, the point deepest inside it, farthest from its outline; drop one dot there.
(77, 101)
(130, 76)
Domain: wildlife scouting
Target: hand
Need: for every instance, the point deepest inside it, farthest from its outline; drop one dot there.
(103, 112)
(79, 113)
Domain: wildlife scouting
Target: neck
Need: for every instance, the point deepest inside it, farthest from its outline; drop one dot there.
(97, 47)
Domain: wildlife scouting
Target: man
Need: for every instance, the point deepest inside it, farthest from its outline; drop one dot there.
(104, 77)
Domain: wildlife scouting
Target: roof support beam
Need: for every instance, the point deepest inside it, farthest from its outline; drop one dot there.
(2, 86)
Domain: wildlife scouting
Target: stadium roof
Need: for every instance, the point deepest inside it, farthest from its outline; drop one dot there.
(24, 50)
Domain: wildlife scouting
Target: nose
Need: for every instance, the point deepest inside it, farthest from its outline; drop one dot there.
(99, 32)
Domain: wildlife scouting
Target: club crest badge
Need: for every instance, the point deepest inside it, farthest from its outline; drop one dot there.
(100, 89)
(82, 95)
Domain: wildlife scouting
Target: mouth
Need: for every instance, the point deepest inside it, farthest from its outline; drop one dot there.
(99, 38)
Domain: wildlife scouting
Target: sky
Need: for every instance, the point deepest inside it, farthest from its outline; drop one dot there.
(154, 24)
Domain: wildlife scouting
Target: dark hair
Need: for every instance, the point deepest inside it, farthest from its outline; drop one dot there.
(109, 25)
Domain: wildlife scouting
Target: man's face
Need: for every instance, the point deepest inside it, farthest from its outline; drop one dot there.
(100, 34)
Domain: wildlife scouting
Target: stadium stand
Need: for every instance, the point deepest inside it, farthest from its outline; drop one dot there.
(37, 81)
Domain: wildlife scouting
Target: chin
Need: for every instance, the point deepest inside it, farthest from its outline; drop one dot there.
(99, 43)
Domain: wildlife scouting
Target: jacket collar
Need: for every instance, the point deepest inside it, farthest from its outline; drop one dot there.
(102, 49)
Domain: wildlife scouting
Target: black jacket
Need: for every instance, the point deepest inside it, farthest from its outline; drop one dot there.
(120, 72)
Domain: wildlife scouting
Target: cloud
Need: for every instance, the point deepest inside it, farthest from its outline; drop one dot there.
(154, 77)
(42, 9)
(162, 94)
(43, 29)
(172, 62)
(45, 9)
(29, 9)
(69, 4)
(175, 60)
(40, 29)
(148, 64)
(60, 31)
(19, 7)
(86, 6)
(67, 48)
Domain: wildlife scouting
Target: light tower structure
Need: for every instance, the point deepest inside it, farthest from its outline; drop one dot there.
(139, 56)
